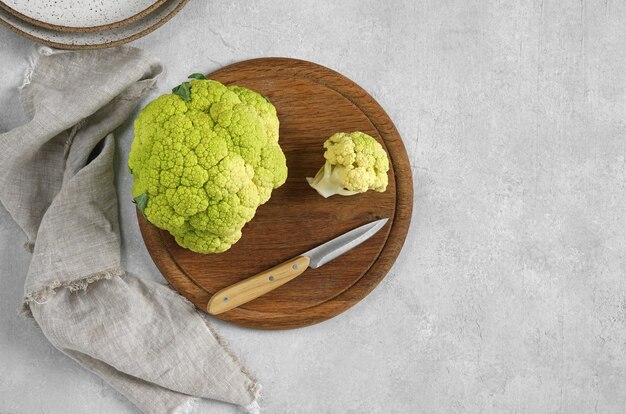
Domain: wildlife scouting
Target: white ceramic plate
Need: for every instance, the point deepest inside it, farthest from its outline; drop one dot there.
(79, 15)
(94, 40)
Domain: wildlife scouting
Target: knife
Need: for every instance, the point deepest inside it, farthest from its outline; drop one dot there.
(255, 286)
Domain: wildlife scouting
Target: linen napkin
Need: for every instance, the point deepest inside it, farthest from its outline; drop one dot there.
(57, 182)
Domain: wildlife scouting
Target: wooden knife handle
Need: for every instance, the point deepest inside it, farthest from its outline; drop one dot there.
(255, 286)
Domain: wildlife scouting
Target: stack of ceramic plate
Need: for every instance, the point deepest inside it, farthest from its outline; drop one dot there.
(86, 24)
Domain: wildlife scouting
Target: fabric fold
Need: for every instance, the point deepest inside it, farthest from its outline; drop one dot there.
(57, 182)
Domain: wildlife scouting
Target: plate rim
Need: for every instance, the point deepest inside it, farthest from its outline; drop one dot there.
(381, 265)
(78, 29)
(68, 46)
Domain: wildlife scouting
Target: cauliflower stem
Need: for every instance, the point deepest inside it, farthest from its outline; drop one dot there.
(329, 181)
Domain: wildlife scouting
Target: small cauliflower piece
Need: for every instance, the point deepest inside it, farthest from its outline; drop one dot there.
(355, 163)
(203, 159)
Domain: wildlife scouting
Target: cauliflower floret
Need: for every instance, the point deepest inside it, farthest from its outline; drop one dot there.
(355, 163)
(203, 160)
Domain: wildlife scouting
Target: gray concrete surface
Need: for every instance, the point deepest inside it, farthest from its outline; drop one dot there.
(510, 293)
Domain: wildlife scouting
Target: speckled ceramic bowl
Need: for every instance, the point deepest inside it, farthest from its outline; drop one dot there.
(98, 39)
(80, 15)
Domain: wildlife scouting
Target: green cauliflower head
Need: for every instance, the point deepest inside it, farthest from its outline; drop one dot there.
(204, 160)
(355, 163)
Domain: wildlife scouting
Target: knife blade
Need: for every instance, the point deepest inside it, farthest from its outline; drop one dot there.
(258, 285)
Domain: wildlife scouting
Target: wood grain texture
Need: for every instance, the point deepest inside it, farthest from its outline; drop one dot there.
(313, 102)
(248, 289)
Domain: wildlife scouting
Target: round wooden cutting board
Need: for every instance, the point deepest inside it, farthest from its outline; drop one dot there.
(313, 102)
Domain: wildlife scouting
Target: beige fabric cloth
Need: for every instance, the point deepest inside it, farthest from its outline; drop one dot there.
(57, 182)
